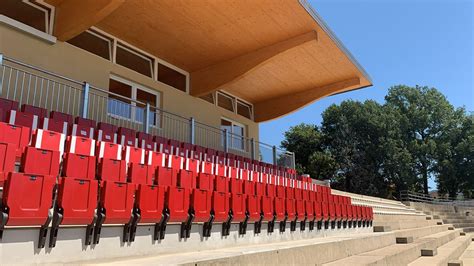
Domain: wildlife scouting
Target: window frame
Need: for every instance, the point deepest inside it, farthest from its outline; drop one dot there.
(136, 86)
(155, 60)
(244, 136)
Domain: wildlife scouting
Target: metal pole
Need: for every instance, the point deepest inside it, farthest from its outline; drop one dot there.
(252, 149)
(226, 144)
(293, 160)
(192, 131)
(85, 99)
(3, 71)
(274, 151)
(146, 121)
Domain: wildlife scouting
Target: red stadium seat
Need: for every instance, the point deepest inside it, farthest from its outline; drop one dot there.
(23, 119)
(38, 111)
(162, 145)
(127, 137)
(7, 160)
(58, 122)
(106, 132)
(48, 140)
(5, 107)
(145, 141)
(40, 162)
(33, 210)
(83, 127)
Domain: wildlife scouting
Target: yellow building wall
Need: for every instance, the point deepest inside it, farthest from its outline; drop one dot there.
(67, 60)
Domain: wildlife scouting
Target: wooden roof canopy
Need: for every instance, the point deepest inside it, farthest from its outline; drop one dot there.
(278, 55)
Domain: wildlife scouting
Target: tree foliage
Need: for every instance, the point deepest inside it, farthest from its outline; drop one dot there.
(381, 149)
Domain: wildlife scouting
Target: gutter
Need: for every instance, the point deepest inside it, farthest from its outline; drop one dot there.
(325, 27)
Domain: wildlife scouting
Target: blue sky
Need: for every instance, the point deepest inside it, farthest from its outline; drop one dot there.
(412, 42)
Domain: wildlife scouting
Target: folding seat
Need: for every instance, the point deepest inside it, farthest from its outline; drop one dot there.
(220, 167)
(186, 150)
(77, 188)
(49, 140)
(252, 201)
(279, 202)
(318, 212)
(325, 206)
(237, 210)
(31, 210)
(338, 209)
(242, 162)
(359, 215)
(116, 195)
(38, 111)
(7, 160)
(40, 162)
(5, 107)
(371, 215)
(290, 203)
(83, 127)
(309, 204)
(350, 217)
(343, 210)
(300, 205)
(174, 145)
(162, 144)
(364, 215)
(17, 135)
(145, 141)
(23, 119)
(256, 166)
(58, 122)
(230, 160)
(106, 132)
(198, 152)
(127, 137)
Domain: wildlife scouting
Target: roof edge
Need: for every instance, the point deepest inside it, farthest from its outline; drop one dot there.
(325, 27)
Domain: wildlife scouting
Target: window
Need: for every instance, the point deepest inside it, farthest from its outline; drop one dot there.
(235, 136)
(244, 109)
(171, 77)
(124, 97)
(225, 101)
(33, 14)
(208, 98)
(134, 60)
(93, 42)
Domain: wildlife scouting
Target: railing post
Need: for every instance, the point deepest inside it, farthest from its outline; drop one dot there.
(226, 144)
(252, 149)
(85, 99)
(274, 151)
(192, 131)
(293, 163)
(1, 79)
(146, 121)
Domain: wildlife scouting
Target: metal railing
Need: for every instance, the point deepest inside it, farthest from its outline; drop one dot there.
(411, 196)
(31, 85)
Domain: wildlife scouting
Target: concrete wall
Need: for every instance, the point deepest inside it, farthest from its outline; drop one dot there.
(73, 62)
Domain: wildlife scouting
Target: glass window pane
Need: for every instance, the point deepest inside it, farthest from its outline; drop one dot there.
(171, 77)
(208, 98)
(225, 102)
(133, 61)
(24, 13)
(93, 44)
(146, 97)
(118, 105)
(244, 109)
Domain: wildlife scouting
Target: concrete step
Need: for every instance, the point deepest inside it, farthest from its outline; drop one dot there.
(288, 252)
(468, 229)
(406, 224)
(463, 225)
(456, 220)
(468, 255)
(421, 232)
(445, 253)
(399, 254)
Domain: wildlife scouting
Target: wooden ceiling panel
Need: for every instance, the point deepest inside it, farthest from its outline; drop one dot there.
(215, 38)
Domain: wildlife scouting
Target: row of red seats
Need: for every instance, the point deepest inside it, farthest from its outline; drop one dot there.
(35, 117)
(131, 185)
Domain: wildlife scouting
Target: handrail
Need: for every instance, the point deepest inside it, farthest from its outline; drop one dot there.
(124, 111)
(412, 196)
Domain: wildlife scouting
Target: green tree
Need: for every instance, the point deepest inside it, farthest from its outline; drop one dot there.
(455, 161)
(425, 114)
(308, 144)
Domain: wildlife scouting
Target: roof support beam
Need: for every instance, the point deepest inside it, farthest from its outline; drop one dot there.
(212, 78)
(281, 105)
(75, 16)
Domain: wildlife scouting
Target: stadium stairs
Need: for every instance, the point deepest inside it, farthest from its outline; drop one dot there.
(402, 236)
